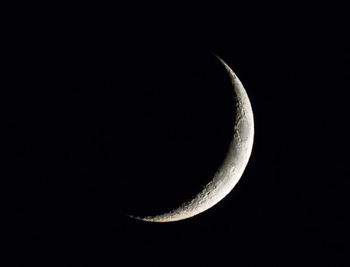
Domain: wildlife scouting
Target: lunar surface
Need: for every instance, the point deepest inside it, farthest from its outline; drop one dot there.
(232, 167)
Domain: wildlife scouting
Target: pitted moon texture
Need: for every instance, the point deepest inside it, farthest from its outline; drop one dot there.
(232, 167)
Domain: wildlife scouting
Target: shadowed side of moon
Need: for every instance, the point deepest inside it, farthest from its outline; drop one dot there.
(176, 125)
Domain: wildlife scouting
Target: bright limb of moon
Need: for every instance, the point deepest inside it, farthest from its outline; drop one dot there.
(232, 167)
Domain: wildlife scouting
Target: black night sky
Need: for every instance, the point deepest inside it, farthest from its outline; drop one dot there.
(109, 110)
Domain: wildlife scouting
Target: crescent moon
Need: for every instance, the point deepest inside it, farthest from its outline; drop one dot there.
(232, 167)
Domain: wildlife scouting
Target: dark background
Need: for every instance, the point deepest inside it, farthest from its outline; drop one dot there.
(109, 110)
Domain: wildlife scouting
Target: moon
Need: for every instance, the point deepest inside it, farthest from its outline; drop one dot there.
(232, 167)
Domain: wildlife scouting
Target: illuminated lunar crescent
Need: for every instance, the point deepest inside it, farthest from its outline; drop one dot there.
(232, 167)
